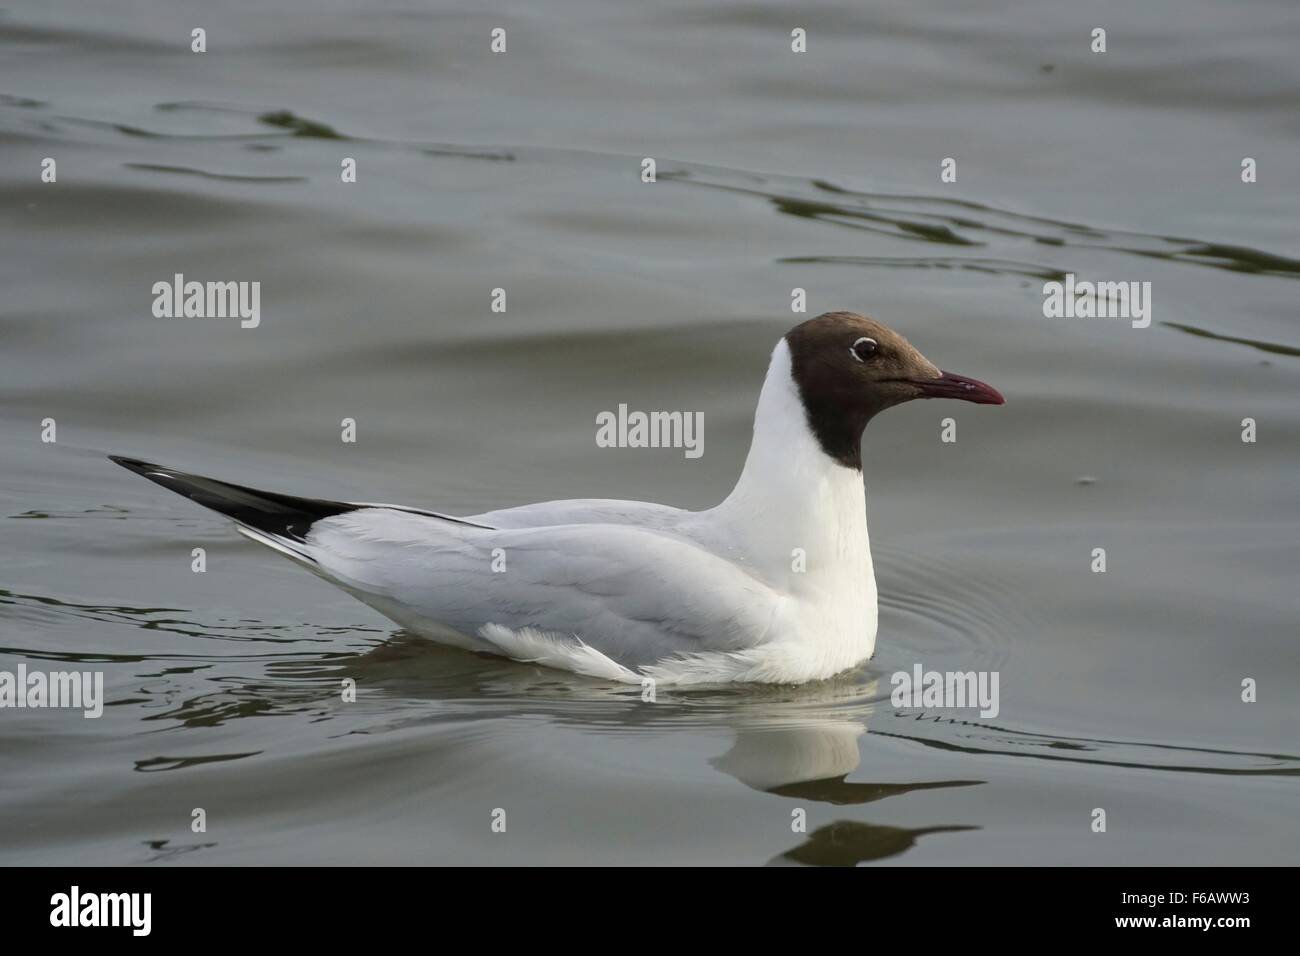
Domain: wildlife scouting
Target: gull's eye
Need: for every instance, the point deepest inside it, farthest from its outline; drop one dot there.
(864, 348)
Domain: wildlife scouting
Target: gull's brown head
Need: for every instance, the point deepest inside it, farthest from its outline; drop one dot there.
(848, 368)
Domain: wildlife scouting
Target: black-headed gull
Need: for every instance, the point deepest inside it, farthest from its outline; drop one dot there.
(774, 585)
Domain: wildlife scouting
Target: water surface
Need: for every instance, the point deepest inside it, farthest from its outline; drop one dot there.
(521, 171)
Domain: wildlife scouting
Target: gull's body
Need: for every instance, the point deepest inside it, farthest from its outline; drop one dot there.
(775, 584)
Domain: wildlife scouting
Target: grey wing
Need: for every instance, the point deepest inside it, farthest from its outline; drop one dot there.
(583, 511)
(637, 595)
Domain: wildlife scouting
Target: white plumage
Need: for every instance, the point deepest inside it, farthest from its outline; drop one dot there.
(773, 585)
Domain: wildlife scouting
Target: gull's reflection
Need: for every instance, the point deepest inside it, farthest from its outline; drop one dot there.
(848, 843)
(804, 745)
(798, 743)
(811, 761)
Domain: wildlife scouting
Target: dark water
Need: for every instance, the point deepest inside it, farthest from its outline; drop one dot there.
(1119, 691)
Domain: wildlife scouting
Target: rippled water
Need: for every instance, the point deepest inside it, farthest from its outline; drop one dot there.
(475, 171)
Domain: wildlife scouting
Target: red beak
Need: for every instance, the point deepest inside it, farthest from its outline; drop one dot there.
(948, 385)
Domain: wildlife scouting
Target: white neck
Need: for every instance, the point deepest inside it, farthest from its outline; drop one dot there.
(797, 520)
(787, 476)
(791, 494)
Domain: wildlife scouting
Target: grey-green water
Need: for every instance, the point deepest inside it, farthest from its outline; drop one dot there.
(521, 170)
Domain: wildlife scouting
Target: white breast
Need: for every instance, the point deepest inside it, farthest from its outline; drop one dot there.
(774, 584)
(799, 519)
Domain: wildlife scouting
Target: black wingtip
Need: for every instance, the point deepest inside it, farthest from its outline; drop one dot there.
(283, 515)
(133, 464)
